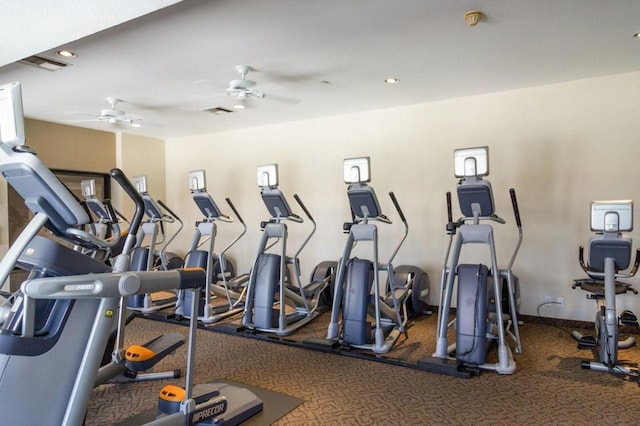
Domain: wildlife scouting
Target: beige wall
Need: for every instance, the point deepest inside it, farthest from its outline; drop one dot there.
(73, 148)
(140, 155)
(560, 146)
(62, 147)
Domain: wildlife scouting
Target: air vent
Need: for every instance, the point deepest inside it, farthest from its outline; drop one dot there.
(44, 63)
(218, 110)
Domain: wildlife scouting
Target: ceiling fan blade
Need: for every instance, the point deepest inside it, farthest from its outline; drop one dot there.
(282, 99)
(84, 120)
(143, 123)
(255, 93)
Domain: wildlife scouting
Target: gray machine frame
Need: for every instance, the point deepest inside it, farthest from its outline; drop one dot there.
(390, 298)
(125, 363)
(231, 288)
(609, 256)
(152, 233)
(268, 272)
(477, 204)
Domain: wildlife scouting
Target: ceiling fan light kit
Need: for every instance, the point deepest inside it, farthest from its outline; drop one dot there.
(243, 88)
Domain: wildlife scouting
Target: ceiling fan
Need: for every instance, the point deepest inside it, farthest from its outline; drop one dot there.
(243, 88)
(117, 117)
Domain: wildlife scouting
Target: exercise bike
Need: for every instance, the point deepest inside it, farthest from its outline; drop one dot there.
(609, 256)
(270, 290)
(487, 296)
(221, 278)
(359, 294)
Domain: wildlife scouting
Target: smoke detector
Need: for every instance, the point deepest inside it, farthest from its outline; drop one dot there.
(473, 17)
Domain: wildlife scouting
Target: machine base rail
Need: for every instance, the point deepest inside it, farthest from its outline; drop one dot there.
(448, 367)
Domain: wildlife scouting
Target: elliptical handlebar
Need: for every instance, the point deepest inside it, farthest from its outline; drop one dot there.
(404, 221)
(304, 208)
(235, 212)
(397, 206)
(126, 185)
(175, 217)
(111, 213)
(112, 218)
(313, 222)
(514, 203)
(244, 227)
(516, 212)
(451, 225)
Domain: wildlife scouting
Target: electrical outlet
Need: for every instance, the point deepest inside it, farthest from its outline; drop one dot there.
(554, 301)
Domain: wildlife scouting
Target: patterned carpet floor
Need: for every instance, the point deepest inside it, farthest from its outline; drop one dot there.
(549, 387)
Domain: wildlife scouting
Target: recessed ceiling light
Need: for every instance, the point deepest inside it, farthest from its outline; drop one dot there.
(637, 35)
(239, 106)
(136, 125)
(67, 54)
(391, 80)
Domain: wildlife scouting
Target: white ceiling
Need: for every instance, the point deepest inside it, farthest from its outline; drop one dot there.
(169, 64)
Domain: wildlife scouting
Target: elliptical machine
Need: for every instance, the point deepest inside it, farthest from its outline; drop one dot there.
(135, 362)
(484, 313)
(269, 291)
(358, 278)
(221, 278)
(149, 257)
(609, 256)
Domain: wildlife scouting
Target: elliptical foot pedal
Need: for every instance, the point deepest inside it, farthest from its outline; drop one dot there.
(587, 342)
(629, 318)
